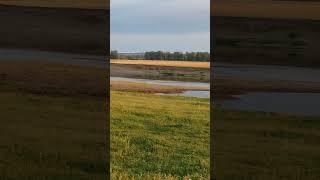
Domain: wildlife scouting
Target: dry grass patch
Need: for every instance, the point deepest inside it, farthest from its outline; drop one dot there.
(163, 63)
(150, 88)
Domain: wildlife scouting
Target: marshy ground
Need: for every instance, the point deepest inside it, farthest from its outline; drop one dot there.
(151, 88)
(156, 136)
(63, 108)
(193, 74)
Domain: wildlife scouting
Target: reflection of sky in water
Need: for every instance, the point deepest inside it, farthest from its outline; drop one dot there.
(197, 94)
(266, 72)
(143, 25)
(163, 82)
(294, 103)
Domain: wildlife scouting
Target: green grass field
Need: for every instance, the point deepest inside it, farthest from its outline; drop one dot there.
(53, 127)
(168, 138)
(52, 137)
(265, 146)
(159, 136)
(53, 122)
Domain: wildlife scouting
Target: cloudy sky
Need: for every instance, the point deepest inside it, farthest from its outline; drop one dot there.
(168, 25)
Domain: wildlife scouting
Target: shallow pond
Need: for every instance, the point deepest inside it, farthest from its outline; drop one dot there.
(163, 82)
(198, 94)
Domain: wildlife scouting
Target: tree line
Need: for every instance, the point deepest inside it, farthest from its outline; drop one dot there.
(162, 55)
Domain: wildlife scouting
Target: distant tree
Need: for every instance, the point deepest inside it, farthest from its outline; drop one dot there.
(114, 54)
(177, 56)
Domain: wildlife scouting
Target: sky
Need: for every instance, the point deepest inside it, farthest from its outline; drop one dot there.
(167, 25)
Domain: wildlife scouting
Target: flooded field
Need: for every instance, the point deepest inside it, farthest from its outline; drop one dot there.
(275, 100)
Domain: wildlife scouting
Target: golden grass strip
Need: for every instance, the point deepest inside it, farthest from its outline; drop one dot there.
(151, 88)
(163, 63)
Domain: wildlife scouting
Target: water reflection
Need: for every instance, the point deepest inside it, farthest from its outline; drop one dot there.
(293, 103)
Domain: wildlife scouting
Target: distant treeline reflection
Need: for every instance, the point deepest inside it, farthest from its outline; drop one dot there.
(162, 55)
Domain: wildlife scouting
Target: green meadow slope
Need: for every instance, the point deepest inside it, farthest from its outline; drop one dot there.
(159, 136)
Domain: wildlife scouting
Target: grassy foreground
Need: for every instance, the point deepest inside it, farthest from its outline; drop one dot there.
(53, 122)
(159, 136)
(164, 139)
(60, 138)
(265, 146)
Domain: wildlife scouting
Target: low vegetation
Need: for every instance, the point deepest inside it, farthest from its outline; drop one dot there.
(159, 136)
(160, 72)
(52, 137)
(53, 127)
(248, 145)
(150, 88)
(265, 146)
